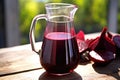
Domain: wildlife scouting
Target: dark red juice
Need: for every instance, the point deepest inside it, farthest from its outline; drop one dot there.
(59, 53)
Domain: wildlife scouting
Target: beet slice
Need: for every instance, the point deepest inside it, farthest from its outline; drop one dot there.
(81, 45)
(116, 40)
(109, 35)
(96, 44)
(92, 45)
(101, 57)
(100, 50)
(103, 49)
(80, 35)
(105, 43)
(101, 40)
(83, 51)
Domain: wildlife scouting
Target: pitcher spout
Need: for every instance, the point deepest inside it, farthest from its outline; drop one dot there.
(73, 11)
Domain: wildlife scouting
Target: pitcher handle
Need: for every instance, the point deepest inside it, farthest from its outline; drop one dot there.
(32, 27)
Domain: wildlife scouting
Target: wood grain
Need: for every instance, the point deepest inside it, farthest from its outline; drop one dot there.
(17, 59)
(82, 72)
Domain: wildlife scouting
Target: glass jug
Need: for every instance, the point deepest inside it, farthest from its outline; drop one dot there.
(59, 51)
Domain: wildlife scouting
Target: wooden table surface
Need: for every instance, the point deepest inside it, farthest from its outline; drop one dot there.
(21, 63)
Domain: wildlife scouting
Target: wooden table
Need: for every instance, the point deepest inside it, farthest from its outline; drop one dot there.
(21, 63)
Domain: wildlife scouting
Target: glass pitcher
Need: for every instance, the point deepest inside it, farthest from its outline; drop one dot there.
(59, 51)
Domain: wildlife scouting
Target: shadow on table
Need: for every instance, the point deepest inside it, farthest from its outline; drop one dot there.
(112, 69)
(71, 76)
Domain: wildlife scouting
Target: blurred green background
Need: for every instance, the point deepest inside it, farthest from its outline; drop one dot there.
(91, 16)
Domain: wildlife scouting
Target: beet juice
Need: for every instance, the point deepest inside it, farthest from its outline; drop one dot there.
(59, 53)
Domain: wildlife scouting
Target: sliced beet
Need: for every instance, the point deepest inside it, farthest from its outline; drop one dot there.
(109, 35)
(103, 49)
(109, 45)
(89, 41)
(101, 40)
(116, 40)
(100, 50)
(105, 43)
(98, 42)
(83, 52)
(81, 45)
(101, 57)
(80, 35)
(92, 45)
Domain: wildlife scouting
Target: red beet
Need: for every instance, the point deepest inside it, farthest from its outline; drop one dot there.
(81, 41)
(101, 50)
(104, 43)
(104, 49)
(81, 45)
(101, 57)
(80, 35)
(98, 42)
(116, 40)
(109, 35)
(92, 45)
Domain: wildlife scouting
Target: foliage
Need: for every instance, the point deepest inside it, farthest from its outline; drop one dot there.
(90, 17)
(93, 14)
(29, 9)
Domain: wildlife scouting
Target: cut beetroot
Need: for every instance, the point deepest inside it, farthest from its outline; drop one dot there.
(101, 40)
(81, 45)
(98, 42)
(105, 43)
(116, 40)
(89, 41)
(81, 41)
(83, 51)
(109, 35)
(101, 57)
(80, 35)
(94, 43)
(103, 49)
